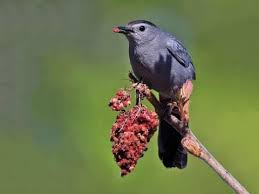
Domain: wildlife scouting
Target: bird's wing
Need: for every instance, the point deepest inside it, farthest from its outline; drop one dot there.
(179, 52)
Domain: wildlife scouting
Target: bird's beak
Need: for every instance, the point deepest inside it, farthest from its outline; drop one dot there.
(122, 29)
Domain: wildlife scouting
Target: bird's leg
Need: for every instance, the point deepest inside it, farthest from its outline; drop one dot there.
(167, 110)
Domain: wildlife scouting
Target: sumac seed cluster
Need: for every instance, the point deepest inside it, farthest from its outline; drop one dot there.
(130, 135)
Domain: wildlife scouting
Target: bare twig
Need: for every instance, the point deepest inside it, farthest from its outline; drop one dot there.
(192, 144)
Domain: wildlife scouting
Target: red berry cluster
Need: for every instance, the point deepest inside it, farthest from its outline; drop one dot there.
(130, 135)
(120, 101)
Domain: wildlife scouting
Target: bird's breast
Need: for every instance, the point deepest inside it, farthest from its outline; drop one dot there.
(153, 67)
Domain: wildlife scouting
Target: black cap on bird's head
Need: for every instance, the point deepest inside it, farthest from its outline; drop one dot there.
(138, 30)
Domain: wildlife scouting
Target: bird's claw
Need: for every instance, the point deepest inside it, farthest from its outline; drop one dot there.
(171, 109)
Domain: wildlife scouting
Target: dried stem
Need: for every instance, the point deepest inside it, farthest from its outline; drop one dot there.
(192, 144)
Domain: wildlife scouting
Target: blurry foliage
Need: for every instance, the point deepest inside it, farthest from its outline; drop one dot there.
(60, 64)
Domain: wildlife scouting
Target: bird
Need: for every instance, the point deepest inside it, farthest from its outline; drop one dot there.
(162, 62)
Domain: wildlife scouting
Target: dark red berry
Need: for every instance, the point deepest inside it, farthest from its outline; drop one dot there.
(120, 101)
(130, 135)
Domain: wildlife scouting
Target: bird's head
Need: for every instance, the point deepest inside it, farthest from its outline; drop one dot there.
(138, 31)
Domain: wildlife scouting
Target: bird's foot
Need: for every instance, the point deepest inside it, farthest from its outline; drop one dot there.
(171, 109)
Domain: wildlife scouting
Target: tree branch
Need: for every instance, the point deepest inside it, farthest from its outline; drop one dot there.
(191, 143)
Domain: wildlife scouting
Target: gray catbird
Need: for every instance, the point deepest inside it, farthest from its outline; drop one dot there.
(163, 63)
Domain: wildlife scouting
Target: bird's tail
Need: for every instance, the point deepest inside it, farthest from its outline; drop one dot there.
(170, 150)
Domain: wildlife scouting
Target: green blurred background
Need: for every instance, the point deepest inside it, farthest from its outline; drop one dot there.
(60, 63)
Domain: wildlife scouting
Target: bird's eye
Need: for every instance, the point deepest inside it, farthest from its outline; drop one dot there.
(142, 28)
